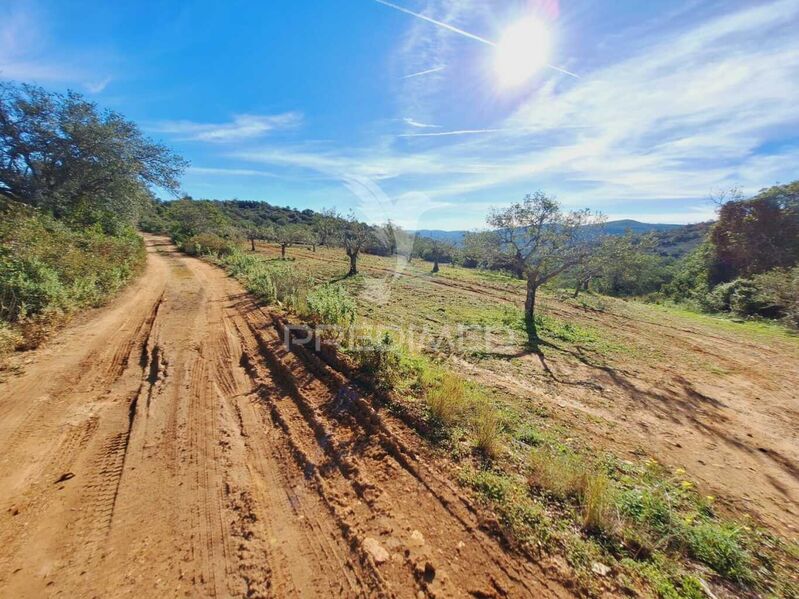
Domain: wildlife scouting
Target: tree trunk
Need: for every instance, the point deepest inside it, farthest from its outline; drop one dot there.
(353, 265)
(313, 248)
(252, 241)
(282, 251)
(435, 264)
(529, 312)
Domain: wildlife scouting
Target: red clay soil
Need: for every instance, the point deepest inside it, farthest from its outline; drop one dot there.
(169, 445)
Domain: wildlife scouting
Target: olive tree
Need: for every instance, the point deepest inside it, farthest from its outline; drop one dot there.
(255, 233)
(354, 235)
(289, 235)
(326, 224)
(542, 241)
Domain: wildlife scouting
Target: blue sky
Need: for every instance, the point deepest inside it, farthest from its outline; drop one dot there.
(358, 105)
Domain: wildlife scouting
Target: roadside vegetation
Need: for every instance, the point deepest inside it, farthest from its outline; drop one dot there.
(73, 183)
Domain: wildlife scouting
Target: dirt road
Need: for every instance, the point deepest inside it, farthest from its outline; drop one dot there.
(169, 445)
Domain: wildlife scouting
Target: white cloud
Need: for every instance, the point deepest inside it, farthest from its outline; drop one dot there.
(243, 126)
(418, 125)
(229, 172)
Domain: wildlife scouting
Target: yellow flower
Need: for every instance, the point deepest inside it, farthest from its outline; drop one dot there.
(679, 471)
(686, 484)
(710, 498)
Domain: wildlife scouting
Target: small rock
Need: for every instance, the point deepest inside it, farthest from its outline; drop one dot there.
(600, 569)
(417, 538)
(376, 550)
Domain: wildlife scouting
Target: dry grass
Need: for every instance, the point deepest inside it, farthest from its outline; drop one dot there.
(568, 476)
(487, 431)
(597, 504)
(447, 400)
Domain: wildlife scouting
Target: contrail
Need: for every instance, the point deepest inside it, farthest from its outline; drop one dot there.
(472, 36)
(477, 38)
(447, 133)
(427, 72)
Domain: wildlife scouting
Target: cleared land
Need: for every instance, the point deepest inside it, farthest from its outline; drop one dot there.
(169, 445)
(716, 398)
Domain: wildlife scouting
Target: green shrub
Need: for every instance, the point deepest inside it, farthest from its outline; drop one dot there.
(597, 503)
(744, 300)
(563, 474)
(270, 281)
(487, 431)
(208, 244)
(718, 300)
(778, 292)
(49, 270)
(331, 305)
(720, 547)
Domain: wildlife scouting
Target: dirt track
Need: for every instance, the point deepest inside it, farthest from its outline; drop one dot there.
(169, 445)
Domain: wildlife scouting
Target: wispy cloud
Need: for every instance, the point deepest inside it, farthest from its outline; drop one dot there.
(229, 172)
(98, 86)
(27, 54)
(418, 125)
(426, 72)
(242, 127)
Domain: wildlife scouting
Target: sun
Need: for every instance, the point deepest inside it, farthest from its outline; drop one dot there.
(522, 50)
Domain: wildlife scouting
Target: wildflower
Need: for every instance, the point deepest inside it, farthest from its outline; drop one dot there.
(686, 484)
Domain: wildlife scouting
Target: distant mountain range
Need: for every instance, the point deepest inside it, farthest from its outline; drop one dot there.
(673, 241)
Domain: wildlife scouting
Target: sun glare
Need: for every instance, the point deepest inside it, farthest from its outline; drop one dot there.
(522, 50)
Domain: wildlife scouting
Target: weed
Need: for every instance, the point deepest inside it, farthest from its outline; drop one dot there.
(720, 547)
(487, 431)
(446, 400)
(597, 504)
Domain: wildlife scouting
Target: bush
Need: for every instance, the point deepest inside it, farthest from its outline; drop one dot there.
(562, 474)
(208, 244)
(718, 300)
(271, 282)
(778, 292)
(719, 546)
(744, 300)
(597, 503)
(331, 305)
(48, 270)
(9, 340)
